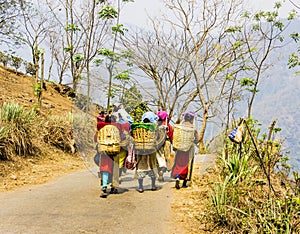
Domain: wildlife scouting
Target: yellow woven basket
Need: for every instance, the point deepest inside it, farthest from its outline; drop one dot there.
(144, 139)
(183, 137)
(109, 139)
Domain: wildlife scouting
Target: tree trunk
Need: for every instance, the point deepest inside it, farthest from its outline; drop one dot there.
(42, 77)
(202, 131)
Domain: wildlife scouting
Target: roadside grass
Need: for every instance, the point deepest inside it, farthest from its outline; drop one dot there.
(253, 190)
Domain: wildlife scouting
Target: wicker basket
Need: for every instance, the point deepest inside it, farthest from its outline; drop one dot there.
(144, 136)
(109, 139)
(183, 137)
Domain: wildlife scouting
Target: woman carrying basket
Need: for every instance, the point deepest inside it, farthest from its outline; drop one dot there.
(109, 161)
(185, 151)
(146, 161)
(163, 154)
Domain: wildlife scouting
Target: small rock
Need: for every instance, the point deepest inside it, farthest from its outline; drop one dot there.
(13, 177)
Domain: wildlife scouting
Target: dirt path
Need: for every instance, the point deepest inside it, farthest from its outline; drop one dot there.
(71, 204)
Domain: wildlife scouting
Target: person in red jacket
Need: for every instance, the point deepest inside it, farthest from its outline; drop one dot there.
(163, 154)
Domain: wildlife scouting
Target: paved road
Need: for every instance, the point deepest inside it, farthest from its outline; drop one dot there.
(71, 204)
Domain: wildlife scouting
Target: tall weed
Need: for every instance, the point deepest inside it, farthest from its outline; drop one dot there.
(15, 131)
(255, 194)
(219, 200)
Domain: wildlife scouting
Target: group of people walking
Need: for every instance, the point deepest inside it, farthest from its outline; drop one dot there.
(144, 147)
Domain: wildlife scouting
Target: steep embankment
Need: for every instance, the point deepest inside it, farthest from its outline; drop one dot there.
(49, 161)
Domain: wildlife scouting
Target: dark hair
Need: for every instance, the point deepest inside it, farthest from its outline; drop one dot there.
(110, 118)
(189, 118)
(146, 120)
(159, 121)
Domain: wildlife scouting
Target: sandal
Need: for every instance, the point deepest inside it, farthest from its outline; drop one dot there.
(160, 177)
(104, 193)
(113, 191)
(177, 184)
(141, 190)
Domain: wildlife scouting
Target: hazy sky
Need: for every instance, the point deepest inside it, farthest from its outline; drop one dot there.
(136, 12)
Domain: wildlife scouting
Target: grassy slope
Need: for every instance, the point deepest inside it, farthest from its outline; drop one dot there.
(50, 162)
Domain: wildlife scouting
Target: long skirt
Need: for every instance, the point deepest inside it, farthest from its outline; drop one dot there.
(183, 164)
(146, 165)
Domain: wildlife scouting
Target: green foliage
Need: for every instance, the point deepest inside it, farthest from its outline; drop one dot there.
(247, 82)
(249, 195)
(16, 62)
(278, 216)
(237, 44)
(297, 182)
(119, 29)
(237, 166)
(295, 36)
(68, 49)
(30, 68)
(229, 77)
(21, 128)
(292, 15)
(114, 91)
(138, 110)
(4, 58)
(294, 60)
(72, 28)
(106, 52)
(78, 58)
(108, 12)
(37, 90)
(122, 76)
(98, 61)
(234, 29)
(132, 101)
(219, 201)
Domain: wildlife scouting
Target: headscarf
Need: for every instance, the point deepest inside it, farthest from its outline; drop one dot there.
(117, 106)
(163, 115)
(121, 114)
(151, 116)
(190, 113)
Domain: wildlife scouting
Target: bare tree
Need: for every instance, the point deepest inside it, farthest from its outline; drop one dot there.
(35, 25)
(195, 52)
(10, 10)
(84, 33)
(159, 54)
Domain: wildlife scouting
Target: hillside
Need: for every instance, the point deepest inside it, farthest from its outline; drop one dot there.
(279, 99)
(50, 161)
(228, 198)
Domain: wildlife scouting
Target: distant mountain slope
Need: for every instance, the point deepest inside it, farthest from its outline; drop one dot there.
(279, 98)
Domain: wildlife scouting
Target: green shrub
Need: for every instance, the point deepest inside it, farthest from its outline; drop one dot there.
(254, 192)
